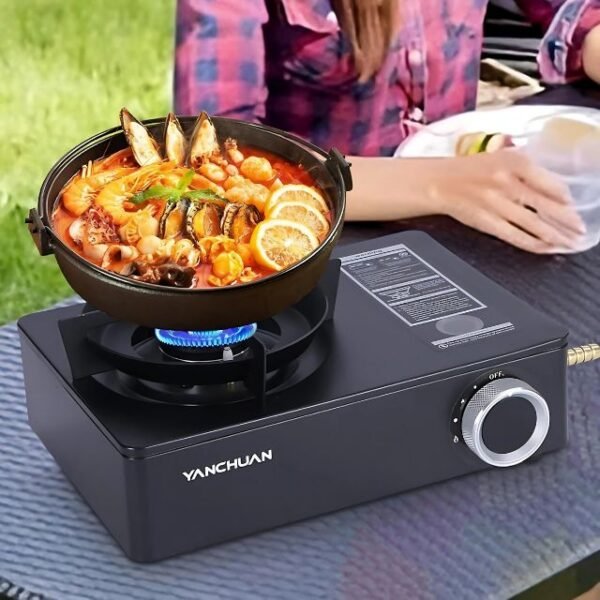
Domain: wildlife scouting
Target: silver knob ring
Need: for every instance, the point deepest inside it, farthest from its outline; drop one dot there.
(480, 406)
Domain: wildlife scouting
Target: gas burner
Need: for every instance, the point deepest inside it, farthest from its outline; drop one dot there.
(205, 339)
(200, 346)
(244, 364)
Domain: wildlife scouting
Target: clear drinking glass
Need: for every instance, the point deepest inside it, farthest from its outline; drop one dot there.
(574, 157)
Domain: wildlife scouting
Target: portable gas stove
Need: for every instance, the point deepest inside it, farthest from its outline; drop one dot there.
(404, 367)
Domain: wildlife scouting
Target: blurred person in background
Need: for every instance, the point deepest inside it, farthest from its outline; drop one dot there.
(361, 75)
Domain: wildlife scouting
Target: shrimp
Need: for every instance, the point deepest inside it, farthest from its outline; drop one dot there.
(80, 193)
(114, 195)
(213, 172)
(234, 154)
(199, 182)
(122, 158)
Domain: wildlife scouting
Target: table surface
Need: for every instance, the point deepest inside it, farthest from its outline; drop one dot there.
(488, 535)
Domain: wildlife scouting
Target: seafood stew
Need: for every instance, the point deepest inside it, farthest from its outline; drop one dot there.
(191, 212)
(169, 307)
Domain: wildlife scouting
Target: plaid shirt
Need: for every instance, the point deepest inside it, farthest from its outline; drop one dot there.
(286, 63)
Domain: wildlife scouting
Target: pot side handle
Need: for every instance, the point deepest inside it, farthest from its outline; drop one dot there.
(336, 162)
(39, 232)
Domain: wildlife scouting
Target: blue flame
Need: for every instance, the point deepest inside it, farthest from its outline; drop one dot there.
(205, 339)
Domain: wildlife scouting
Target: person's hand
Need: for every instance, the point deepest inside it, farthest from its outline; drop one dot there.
(505, 195)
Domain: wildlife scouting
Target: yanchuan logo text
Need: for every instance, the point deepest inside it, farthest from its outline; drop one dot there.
(229, 465)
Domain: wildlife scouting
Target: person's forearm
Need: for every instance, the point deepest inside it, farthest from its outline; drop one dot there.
(591, 54)
(386, 189)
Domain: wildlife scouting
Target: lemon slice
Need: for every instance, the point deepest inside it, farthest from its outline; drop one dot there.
(278, 243)
(301, 212)
(296, 192)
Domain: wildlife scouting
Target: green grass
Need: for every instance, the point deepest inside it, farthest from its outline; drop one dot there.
(66, 68)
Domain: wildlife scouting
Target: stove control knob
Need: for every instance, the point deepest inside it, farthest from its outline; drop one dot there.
(505, 422)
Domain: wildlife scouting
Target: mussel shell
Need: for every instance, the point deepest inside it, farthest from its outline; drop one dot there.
(203, 141)
(174, 140)
(203, 220)
(143, 146)
(229, 213)
(239, 221)
(173, 220)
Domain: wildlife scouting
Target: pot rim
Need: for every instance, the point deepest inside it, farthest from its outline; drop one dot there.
(111, 133)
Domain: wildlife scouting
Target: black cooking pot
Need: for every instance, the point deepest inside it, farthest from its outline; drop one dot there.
(194, 309)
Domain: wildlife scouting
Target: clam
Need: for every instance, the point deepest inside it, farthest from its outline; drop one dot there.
(203, 220)
(143, 146)
(239, 221)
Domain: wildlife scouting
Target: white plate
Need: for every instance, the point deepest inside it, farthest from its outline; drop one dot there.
(439, 139)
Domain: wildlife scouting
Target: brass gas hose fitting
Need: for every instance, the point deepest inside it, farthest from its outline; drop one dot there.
(583, 354)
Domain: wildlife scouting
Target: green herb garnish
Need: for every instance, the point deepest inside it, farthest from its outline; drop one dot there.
(157, 191)
(174, 194)
(185, 180)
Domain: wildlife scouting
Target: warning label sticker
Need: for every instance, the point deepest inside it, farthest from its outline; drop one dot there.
(472, 336)
(408, 286)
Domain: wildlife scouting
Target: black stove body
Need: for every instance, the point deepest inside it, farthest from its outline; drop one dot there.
(418, 370)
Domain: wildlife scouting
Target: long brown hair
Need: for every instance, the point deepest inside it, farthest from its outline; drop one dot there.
(370, 26)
